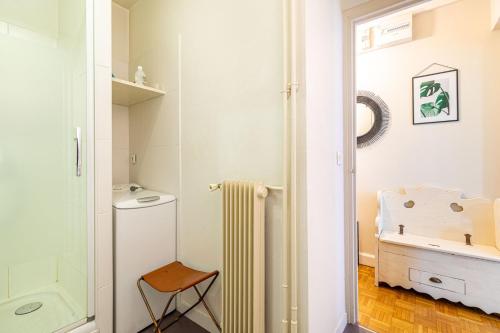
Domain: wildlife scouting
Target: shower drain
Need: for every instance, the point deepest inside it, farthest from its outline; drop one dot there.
(28, 308)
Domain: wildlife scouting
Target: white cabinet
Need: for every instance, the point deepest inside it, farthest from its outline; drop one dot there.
(471, 281)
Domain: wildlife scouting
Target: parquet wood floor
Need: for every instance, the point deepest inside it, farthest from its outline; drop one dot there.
(392, 310)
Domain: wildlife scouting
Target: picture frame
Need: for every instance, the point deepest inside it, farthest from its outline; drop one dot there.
(435, 97)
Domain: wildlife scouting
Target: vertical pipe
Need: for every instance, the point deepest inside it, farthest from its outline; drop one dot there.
(241, 252)
(261, 193)
(179, 151)
(225, 270)
(293, 173)
(246, 278)
(252, 261)
(230, 265)
(286, 148)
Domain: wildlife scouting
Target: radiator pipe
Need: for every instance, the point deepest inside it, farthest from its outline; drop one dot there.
(285, 94)
(293, 157)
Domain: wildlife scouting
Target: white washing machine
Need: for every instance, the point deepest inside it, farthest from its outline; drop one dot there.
(144, 226)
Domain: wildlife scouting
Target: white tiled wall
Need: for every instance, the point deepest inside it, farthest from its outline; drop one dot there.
(104, 309)
(103, 97)
(121, 149)
(22, 278)
(154, 125)
(102, 32)
(72, 278)
(103, 166)
(120, 37)
(120, 63)
(21, 275)
(104, 236)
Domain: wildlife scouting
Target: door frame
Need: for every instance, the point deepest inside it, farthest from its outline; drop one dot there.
(90, 158)
(352, 17)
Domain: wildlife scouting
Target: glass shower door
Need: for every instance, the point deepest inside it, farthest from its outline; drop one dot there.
(43, 209)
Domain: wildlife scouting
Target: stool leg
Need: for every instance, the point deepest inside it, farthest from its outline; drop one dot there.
(208, 309)
(151, 314)
(166, 309)
(200, 300)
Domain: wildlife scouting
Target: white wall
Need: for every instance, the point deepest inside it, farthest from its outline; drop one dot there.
(121, 150)
(495, 14)
(120, 41)
(221, 117)
(154, 125)
(103, 167)
(322, 91)
(458, 155)
(120, 64)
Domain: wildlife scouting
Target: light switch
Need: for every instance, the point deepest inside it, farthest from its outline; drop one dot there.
(339, 158)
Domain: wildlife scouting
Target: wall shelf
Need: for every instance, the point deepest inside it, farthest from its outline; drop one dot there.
(127, 93)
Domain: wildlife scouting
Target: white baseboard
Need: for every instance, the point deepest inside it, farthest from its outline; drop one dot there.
(367, 259)
(198, 315)
(342, 323)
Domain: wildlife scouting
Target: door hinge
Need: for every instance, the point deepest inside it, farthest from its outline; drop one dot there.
(289, 88)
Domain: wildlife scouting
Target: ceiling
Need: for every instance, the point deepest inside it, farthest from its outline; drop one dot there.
(125, 3)
(422, 7)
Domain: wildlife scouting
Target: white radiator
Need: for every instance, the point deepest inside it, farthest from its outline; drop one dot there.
(244, 257)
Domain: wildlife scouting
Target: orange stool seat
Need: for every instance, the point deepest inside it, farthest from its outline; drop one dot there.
(175, 277)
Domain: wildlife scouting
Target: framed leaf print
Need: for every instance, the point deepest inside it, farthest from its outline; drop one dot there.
(435, 97)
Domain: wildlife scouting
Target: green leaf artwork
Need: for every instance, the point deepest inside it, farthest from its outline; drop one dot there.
(429, 110)
(443, 102)
(440, 104)
(428, 88)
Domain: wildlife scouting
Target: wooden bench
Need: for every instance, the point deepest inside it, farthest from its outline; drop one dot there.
(431, 254)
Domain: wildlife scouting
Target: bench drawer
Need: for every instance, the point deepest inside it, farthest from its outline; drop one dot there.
(438, 281)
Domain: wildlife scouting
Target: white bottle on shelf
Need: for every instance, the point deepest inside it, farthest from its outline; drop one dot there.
(139, 76)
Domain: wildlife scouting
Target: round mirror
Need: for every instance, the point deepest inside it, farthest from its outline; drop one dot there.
(364, 119)
(372, 118)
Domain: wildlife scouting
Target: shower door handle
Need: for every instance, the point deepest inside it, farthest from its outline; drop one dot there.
(78, 140)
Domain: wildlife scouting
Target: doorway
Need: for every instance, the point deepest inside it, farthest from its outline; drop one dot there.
(385, 57)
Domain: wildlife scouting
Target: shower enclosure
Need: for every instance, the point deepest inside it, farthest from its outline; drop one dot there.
(44, 183)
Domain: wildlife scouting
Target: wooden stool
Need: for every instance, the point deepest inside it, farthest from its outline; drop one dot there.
(175, 278)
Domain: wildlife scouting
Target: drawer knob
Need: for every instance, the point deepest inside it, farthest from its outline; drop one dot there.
(435, 280)
(409, 204)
